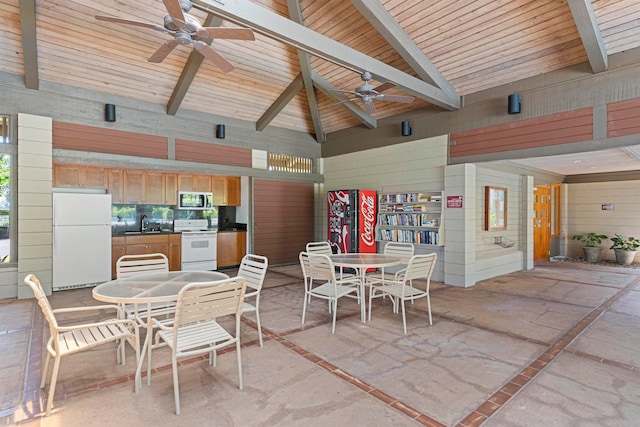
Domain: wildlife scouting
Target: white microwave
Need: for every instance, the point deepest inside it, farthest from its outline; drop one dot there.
(195, 200)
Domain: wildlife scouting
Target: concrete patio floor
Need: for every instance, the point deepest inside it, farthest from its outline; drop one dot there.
(558, 345)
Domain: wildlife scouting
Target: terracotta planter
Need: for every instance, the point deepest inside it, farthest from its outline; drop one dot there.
(624, 257)
(592, 253)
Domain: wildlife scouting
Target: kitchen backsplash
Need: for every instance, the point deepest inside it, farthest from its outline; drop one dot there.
(129, 217)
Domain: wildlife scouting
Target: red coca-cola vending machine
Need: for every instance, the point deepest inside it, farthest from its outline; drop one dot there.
(352, 220)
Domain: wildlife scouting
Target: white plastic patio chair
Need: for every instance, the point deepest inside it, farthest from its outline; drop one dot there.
(319, 267)
(195, 331)
(134, 265)
(402, 250)
(70, 339)
(401, 290)
(253, 269)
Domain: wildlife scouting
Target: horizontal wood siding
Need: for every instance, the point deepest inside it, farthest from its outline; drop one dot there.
(70, 136)
(283, 218)
(561, 128)
(203, 152)
(623, 118)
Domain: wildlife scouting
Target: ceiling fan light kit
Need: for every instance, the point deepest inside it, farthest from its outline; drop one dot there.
(187, 30)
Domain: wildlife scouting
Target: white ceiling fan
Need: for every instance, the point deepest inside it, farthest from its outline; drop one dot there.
(368, 93)
(186, 30)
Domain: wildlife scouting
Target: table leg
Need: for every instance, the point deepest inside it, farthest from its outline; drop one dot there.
(362, 272)
(147, 342)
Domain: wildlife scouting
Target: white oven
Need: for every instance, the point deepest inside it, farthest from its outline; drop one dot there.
(199, 246)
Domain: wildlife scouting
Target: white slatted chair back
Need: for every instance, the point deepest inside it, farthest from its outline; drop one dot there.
(321, 267)
(403, 250)
(253, 269)
(420, 267)
(132, 265)
(319, 248)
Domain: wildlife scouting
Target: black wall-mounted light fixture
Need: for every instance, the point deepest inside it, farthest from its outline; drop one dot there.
(514, 103)
(110, 112)
(406, 128)
(220, 131)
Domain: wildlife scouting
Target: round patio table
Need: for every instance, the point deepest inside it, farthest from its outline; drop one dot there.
(147, 289)
(361, 262)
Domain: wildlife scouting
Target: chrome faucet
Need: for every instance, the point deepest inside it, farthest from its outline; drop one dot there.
(144, 223)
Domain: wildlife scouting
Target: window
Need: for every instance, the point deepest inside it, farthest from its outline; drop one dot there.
(284, 163)
(7, 244)
(555, 210)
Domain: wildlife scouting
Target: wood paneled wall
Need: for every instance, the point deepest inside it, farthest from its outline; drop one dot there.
(71, 136)
(203, 152)
(283, 219)
(623, 118)
(561, 128)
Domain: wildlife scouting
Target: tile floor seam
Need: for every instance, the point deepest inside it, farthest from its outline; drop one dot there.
(345, 376)
(538, 365)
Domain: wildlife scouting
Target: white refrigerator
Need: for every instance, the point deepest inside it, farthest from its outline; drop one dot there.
(81, 239)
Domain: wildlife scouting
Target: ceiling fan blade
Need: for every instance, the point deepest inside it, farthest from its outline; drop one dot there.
(226, 33)
(395, 98)
(130, 22)
(212, 56)
(163, 51)
(369, 107)
(384, 86)
(175, 10)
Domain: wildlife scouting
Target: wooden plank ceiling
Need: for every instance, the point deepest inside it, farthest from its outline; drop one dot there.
(471, 45)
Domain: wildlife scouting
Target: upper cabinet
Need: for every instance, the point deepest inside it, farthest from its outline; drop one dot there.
(134, 186)
(226, 190)
(79, 176)
(189, 182)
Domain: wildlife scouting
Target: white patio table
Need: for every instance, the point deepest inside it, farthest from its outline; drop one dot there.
(148, 289)
(361, 262)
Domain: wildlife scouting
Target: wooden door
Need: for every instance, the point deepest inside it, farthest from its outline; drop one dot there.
(232, 190)
(115, 185)
(219, 190)
(170, 188)
(541, 224)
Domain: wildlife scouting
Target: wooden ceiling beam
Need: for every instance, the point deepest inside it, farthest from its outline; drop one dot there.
(305, 66)
(585, 19)
(270, 24)
(189, 71)
(283, 99)
(398, 38)
(29, 43)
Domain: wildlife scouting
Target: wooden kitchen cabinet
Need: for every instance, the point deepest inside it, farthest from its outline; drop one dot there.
(232, 246)
(190, 182)
(226, 190)
(79, 176)
(141, 244)
(118, 249)
(115, 185)
(171, 188)
(133, 186)
(175, 252)
(153, 188)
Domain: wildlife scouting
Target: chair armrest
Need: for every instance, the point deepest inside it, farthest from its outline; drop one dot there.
(91, 308)
(400, 275)
(97, 324)
(167, 326)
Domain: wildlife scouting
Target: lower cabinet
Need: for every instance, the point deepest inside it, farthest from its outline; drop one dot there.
(232, 246)
(168, 244)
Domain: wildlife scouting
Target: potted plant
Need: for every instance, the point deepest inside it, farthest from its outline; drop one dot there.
(591, 245)
(625, 249)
